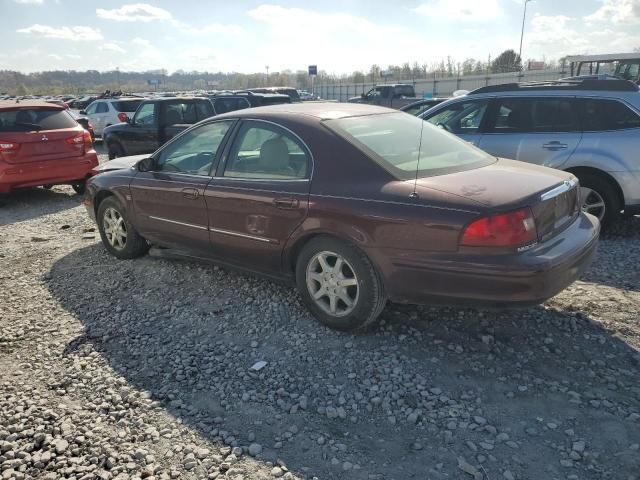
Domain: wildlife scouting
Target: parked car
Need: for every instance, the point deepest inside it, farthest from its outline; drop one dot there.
(156, 121)
(104, 112)
(342, 200)
(590, 128)
(392, 96)
(82, 102)
(421, 106)
(291, 92)
(229, 102)
(85, 122)
(41, 144)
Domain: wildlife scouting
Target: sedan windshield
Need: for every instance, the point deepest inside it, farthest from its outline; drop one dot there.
(404, 144)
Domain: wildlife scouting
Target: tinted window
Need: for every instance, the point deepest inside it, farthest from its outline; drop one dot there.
(24, 120)
(180, 112)
(195, 151)
(404, 144)
(224, 104)
(518, 115)
(146, 115)
(265, 151)
(403, 91)
(601, 115)
(128, 106)
(461, 117)
(204, 109)
(102, 108)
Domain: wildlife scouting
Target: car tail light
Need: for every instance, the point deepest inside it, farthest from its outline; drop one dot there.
(123, 117)
(78, 140)
(86, 136)
(9, 146)
(510, 229)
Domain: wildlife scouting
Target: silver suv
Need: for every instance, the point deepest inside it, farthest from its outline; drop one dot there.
(590, 128)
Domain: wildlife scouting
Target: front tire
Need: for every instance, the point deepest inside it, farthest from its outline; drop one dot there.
(339, 285)
(118, 234)
(79, 187)
(599, 198)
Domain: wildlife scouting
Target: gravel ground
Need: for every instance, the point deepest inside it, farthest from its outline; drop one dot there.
(142, 369)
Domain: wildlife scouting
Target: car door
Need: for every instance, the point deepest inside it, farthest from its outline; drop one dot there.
(90, 112)
(540, 130)
(169, 199)
(465, 118)
(142, 137)
(259, 195)
(101, 115)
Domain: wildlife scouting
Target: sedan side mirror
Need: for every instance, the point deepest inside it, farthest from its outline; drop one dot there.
(82, 112)
(145, 165)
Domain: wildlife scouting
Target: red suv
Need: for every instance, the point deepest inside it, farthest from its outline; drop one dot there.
(41, 144)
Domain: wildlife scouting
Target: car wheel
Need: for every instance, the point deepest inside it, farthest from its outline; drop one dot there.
(118, 234)
(79, 187)
(339, 285)
(115, 150)
(599, 198)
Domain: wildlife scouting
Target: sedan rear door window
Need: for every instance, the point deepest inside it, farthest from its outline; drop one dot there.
(535, 115)
(265, 151)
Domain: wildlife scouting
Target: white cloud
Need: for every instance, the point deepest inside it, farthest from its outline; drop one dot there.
(554, 34)
(617, 11)
(76, 34)
(142, 12)
(222, 28)
(143, 42)
(30, 2)
(112, 47)
(460, 10)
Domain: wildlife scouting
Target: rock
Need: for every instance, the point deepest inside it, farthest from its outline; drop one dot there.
(579, 446)
(60, 446)
(508, 475)
(277, 472)
(469, 469)
(255, 449)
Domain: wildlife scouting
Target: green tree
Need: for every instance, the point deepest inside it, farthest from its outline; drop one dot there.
(507, 61)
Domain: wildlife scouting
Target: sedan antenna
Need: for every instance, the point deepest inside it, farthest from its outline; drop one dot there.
(414, 194)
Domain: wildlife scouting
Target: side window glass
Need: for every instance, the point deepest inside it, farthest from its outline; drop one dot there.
(91, 109)
(461, 118)
(601, 115)
(263, 151)
(102, 108)
(556, 116)
(194, 152)
(146, 115)
(204, 110)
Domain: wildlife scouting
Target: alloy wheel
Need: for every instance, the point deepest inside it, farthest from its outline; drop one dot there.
(114, 228)
(592, 202)
(332, 283)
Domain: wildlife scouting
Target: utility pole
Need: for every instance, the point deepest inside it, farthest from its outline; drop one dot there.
(524, 16)
(267, 67)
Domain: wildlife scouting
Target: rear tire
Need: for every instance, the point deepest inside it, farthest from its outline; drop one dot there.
(600, 198)
(118, 234)
(354, 284)
(115, 150)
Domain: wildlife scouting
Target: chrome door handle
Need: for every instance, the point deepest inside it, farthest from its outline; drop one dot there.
(190, 193)
(286, 203)
(555, 146)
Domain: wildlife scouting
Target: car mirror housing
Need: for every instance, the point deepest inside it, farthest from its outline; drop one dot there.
(145, 165)
(82, 112)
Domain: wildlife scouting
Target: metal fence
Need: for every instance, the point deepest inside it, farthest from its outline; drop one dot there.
(437, 86)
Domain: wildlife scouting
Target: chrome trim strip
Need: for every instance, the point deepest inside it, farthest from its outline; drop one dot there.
(200, 227)
(559, 190)
(242, 235)
(393, 203)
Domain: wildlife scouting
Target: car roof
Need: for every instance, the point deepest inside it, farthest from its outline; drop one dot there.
(13, 105)
(318, 110)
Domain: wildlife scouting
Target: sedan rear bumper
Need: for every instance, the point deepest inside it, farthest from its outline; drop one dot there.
(506, 280)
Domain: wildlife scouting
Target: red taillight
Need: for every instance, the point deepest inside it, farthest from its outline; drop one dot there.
(510, 229)
(9, 146)
(78, 140)
(87, 138)
(123, 117)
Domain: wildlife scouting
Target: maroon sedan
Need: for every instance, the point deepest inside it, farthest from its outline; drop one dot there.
(354, 204)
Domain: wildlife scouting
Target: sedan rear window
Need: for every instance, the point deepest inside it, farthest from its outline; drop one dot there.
(128, 106)
(402, 143)
(27, 119)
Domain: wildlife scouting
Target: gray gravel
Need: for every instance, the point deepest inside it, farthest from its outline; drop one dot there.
(142, 369)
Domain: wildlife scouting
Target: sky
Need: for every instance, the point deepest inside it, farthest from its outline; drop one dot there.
(338, 36)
